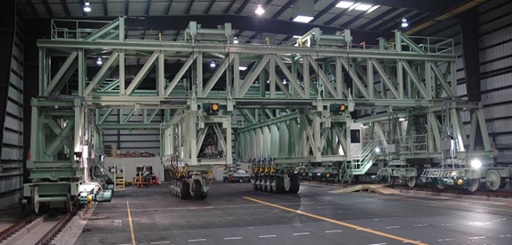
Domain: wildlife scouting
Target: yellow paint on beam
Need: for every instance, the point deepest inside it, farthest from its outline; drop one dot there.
(131, 224)
(356, 227)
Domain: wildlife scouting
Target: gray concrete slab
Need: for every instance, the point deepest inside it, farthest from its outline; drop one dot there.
(226, 217)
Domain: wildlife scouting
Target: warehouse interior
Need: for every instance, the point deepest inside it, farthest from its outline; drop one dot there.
(235, 91)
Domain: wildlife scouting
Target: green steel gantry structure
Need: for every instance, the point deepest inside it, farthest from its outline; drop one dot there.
(402, 94)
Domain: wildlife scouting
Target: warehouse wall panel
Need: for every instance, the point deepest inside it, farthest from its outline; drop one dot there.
(11, 171)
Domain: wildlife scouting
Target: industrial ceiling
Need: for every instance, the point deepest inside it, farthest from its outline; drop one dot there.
(368, 19)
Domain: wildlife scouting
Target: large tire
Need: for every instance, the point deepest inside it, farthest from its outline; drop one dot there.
(198, 187)
(254, 181)
(294, 184)
(271, 184)
(279, 185)
(265, 184)
(184, 190)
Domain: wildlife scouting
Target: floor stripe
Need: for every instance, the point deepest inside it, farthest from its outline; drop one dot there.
(162, 242)
(333, 231)
(197, 240)
(131, 224)
(267, 236)
(405, 240)
(301, 234)
(233, 238)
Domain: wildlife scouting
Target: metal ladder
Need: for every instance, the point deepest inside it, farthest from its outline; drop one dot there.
(119, 177)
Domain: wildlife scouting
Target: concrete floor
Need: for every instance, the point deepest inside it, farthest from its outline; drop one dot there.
(235, 214)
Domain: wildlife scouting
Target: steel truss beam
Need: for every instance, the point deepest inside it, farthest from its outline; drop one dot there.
(405, 78)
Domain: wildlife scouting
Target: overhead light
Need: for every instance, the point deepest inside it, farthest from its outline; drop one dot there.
(404, 22)
(303, 19)
(87, 7)
(373, 8)
(242, 68)
(402, 119)
(284, 81)
(99, 61)
(259, 10)
(213, 64)
(344, 4)
(235, 40)
(363, 6)
(297, 36)
(303, 11)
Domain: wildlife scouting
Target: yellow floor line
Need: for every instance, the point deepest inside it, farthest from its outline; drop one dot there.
(359, 228)
(131, 224)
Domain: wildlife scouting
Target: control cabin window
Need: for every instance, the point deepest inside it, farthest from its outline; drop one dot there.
(355, 136)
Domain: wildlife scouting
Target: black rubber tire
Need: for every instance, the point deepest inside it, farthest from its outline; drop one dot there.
(204, 195)
(184, 190)
(270, 180)
(198, 187)
(265, 184)
(279, 185)
(254, 185)
(294, 184)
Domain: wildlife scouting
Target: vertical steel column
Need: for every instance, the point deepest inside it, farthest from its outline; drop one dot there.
(236, 75)
(82, 72)
(305, 75)
(199, 74)
(160, 86)
(122, 77)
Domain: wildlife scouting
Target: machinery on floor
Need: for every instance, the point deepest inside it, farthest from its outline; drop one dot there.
(274, 178)
(62, 157)
(394, 105)
(189, 181)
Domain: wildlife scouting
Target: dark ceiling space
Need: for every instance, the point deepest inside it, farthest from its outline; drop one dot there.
(170, 17)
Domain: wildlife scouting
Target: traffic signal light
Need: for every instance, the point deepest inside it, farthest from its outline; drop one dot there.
(337, 108)
(211, 108)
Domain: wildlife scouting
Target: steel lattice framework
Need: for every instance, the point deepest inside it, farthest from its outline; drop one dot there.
(280, 106)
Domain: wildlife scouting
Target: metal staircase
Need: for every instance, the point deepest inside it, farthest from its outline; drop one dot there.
(360, 164)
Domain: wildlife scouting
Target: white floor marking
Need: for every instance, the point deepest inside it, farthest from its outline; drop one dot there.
(333, 231)
(420, 225)
(393, 227)
(477, 237)
(378, 243)
(233, 238)
(197, 240)
(265, 236)
(506, 236)
(162, 242)
(301, 234)
(445, 240)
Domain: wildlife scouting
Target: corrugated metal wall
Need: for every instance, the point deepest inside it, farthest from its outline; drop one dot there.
(495, 53)
(11, 168)
(147, 140)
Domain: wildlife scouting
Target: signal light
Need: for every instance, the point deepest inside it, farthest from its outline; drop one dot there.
(211, 108)
(337, 108)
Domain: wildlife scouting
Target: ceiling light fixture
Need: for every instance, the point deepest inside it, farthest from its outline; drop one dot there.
(404, 23)
(373, 8)
(213, 64)
(259, 10)
(87, 7)
(344, 4)
(99, 61)
(363, 7)
(242, 68)
(235, 40)
(303, 19)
